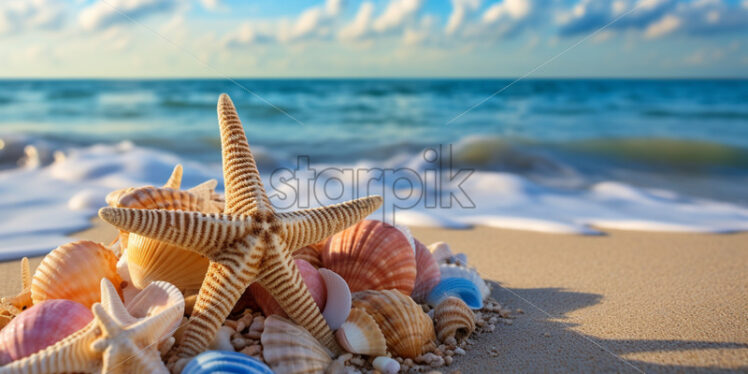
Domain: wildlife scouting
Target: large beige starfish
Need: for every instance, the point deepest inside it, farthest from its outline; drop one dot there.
(249, 242)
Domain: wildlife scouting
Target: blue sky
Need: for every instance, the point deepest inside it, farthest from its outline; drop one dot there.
(393, 38)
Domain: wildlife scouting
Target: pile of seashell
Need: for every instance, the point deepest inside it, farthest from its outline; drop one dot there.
(394, 304)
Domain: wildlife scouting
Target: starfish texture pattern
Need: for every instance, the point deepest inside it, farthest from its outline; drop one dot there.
(12, 306)
(114, 342)
(248, 242)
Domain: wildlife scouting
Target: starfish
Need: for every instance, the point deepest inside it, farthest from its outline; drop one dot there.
(114, 342)
(248, 242)
(12, 306)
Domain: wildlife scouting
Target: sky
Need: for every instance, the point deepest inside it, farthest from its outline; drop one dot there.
(373, 38)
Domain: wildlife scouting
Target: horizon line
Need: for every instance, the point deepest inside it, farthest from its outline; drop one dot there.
(706, 77)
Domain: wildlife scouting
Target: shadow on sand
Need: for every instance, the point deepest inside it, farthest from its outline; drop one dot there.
(537, 342)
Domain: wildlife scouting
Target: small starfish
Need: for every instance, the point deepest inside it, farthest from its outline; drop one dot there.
(12, 306)
(114, 342)
(249, 242)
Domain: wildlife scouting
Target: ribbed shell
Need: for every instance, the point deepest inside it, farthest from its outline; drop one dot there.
(73, 272)
(289, 348)
(457, 271)
(372, 255)
(427, 275)
(40, 326)
(452, 317)
(225, 363)
(311, 278)
(152, 260)
(308, 254)
(408, 331)
(360, 334)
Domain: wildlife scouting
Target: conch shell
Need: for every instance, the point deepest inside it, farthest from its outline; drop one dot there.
(289, 348)
(408, 331)
(453, 318)
(360, 334)
(427, 275)
(372, 255)
(73, 272)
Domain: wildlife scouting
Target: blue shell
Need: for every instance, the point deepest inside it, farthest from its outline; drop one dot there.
(458, 287)
(225, 362)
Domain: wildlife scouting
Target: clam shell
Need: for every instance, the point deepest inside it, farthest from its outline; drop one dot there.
(313, 280)
(453, 318)
(40, 326)
(338, 304)
(289, 348)
(372, 255)
(360, 334)
(308, 254)
(73, 272)
(458, 287)
(225, 362)
(408, 331)
(427, 273)
(456, 271)
(152, 260)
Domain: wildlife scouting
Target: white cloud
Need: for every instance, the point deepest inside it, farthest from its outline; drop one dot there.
(210, 4)
(247, 34)
(420, 33)
(460, 9)
(514, 9)
(361, 24)
(25, 15)
(396, 14)
(664, 26)
(104, 14)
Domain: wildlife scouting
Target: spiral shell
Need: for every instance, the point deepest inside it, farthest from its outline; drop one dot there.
(289, 348)
(457, 271)
(311, 277)
(427, 275)
(225, 362)
(458, 287)
(453, 318)
(372, 255)
(360, 334)
(40, 326)
(73, 272)
(408, 331)
(152, 260)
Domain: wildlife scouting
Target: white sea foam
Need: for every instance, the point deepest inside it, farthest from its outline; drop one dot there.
(40, 205)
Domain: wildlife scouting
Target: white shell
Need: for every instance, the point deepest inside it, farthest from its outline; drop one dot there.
(386, 365)
(338, 304)
(440, 251)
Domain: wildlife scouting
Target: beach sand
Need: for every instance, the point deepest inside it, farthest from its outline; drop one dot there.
(622, 302)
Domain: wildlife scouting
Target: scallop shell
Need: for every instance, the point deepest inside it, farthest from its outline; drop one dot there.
(308, 254)
(151, 260)
(458, 287)
(289, 348)
(456, 271)
(338, 303)
(427, 275)
(311, 277)
(408, 331)
(360, 334)
(40, 326)
(453, 318)
(372, 255)
(225, 362)
(73, 272)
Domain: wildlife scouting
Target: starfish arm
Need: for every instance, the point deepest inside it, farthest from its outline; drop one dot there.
(209, 185)
(244, 191)
(111, 302)
(310, 226)
(204, 234)
(70, 355)
(175, 180)
(25, 272)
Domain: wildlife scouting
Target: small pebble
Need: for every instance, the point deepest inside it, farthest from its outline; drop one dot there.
(252, 350)
(547, 334)
(459, 351)
(448, 360)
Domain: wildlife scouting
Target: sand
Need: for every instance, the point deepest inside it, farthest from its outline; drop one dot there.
(623, 302)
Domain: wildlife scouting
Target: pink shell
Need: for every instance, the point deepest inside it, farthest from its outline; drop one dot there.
(313, 280)
(427, 273)
(40, 326)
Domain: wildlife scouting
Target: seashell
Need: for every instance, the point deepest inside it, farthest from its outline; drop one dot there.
(456, 271)
(40, 326)
(308, 254)
(289, 348)
(225, 362)
(386, 365)
(313, 280)
(338, 304)
(12, 306)
(408, 331)
(154, 300)
(151, 260)
(460, 259)
(458, 287)
(440, 251)
(360, 334)
(372, 255)
(427, 274)
(453, 318)
(73, 272)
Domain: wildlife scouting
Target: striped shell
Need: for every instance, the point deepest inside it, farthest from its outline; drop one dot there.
(457, 287)
(226, 363)
(40, 326)
(452, 318)
(360, 334)
(427, 275)
(151, 260)
(289, 348)
(408, 331)
(456, 271)
(308, 254)
(73, 272)
(372, 255)
(314, 283)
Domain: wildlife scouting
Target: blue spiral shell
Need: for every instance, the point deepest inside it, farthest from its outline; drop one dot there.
(458, 287)
(225, 362)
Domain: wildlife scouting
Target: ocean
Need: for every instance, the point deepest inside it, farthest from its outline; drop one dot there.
(553, 155)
